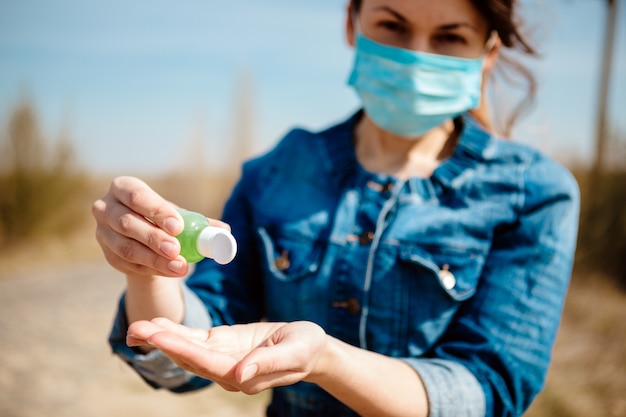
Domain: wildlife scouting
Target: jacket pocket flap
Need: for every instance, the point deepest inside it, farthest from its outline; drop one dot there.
(457, 272)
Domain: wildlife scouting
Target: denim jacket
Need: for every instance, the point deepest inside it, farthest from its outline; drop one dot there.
(461, 275)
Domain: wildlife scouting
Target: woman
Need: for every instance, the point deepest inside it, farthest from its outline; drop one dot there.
(406, 261)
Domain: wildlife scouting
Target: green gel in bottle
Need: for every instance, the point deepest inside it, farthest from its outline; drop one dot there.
(199, 240)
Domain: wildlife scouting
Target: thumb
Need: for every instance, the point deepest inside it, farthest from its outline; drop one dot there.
(273, 360)
(286, 357)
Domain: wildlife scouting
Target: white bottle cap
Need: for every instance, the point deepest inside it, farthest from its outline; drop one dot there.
(217, 243)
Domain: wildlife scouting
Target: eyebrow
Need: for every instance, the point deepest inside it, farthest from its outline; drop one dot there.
(447, 26)
(393, 12)
(452, 26)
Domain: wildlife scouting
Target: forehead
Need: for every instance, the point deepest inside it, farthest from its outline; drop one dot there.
(428, 11)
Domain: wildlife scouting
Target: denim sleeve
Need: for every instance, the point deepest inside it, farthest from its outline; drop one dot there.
(451, 388)
(154, 367)
(504, 334)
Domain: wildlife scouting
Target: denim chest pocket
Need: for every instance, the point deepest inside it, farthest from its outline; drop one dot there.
(416, 298)
(456, 271)
(291, 257)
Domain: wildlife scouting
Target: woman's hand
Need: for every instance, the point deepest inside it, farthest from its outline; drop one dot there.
(258, 356)
(136, 230)
(248, 358)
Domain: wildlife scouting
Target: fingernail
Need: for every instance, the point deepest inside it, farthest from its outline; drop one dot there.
(169, 249)
(249, 372)
(172, 226)
(176, 266)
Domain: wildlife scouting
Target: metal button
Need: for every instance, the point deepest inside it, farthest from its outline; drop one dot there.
(363, 239)
(282, 262)
(382, 188)
(447, 278)
(374, 185)
(387, 187)
(351, 305)
(366, 237)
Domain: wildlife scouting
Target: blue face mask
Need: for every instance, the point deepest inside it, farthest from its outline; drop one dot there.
(407, 92)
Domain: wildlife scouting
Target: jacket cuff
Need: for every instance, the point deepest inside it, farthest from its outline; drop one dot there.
(154, 367)
(453, 391)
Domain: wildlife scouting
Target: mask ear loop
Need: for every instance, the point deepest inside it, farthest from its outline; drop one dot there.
(491, 42)
(487, 117)
(356, 24)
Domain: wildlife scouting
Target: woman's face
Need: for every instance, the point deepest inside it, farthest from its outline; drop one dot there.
(447, 27)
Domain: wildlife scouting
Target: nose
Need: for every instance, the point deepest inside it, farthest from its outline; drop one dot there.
(419, 43)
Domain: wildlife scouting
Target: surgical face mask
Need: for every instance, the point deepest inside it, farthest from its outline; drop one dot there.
(409, 93)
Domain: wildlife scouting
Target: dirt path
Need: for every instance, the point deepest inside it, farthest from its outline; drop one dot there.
(55, 360)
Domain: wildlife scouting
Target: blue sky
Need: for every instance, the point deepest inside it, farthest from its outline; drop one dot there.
(137, 82)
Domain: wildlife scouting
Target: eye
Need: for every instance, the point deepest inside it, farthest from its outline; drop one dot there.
(451, 38)
(392, 26)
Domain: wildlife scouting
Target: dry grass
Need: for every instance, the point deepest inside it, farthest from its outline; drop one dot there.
(587, 377)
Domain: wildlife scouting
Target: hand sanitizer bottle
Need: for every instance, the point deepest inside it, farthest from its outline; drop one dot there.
(199, 240)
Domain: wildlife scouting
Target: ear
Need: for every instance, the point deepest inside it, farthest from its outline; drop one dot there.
(350, 16)
(492, 57)
(482, 113)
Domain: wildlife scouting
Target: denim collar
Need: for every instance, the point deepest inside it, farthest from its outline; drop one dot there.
(473, 149)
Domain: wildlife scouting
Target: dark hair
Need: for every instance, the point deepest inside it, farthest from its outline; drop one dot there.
(502, 16)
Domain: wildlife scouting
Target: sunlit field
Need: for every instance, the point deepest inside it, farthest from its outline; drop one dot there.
(58, 295)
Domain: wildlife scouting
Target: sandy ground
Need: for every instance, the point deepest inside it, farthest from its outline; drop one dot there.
(54, 359)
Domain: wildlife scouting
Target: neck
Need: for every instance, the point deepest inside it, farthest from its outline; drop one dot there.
(383, 152)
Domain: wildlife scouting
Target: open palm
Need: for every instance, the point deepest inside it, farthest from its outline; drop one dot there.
(247, 357)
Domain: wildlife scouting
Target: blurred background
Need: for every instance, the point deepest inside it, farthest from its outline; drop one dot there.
(180, 93)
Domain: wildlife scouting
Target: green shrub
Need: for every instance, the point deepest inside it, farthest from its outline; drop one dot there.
(39, 185)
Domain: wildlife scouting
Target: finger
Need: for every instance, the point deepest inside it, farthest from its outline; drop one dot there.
(140, 198)
(187, 354)
(126, 222)
(265, 382)
(293, 348)
(144, 328)
(129, 256)
(121, 232)
(227, 387)
(196, 335)
(219, 223)
(268, 368)
(238, 340)
(269, 360)
(138, 332)
(200, 364)
(133, 342)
